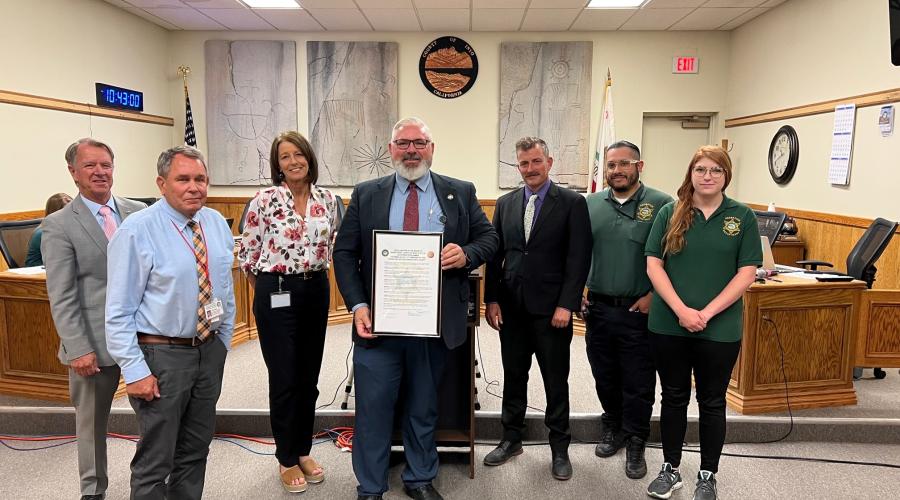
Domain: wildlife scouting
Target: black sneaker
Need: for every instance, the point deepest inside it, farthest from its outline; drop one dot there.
(635, 465)
(706, 486)
(666, 482)
(611, 441)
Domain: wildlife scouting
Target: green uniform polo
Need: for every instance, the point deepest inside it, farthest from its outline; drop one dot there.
(618, 266)
(714, 250)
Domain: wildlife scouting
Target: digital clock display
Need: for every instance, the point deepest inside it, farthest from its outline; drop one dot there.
(109, 96)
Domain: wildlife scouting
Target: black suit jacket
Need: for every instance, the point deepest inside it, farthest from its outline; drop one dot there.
(466, 225)
(548, 271)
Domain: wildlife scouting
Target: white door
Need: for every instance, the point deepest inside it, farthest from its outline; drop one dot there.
(667, 149)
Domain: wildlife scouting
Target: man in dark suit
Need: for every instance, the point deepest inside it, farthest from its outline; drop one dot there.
(531, 288)
(74, 251)
(411, 199)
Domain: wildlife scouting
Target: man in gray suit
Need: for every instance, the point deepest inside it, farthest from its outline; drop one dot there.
(74, 251)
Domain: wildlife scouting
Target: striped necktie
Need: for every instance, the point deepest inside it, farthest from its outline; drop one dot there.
(529, 216)
(205, 294)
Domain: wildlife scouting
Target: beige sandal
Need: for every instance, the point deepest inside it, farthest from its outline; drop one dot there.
(308, 465)
(291, 474)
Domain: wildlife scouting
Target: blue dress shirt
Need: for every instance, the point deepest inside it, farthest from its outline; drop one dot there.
(152, 285)
(95, 210)
(542, 195)
(431, 217)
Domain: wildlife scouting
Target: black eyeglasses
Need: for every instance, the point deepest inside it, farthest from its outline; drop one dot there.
(418, 143)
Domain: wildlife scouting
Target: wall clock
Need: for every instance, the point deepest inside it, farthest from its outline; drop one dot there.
(784, 151)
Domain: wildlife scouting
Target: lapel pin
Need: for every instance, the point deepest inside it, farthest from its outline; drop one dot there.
(449, 196)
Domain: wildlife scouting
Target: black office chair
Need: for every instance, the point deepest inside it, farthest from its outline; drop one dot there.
(340, 212)
(861, 262)
(244, 217)
(770, 224)
(146, 201)
(14, 238)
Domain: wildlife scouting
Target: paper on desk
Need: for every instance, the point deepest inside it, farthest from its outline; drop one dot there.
(813, 277)
(28, 270)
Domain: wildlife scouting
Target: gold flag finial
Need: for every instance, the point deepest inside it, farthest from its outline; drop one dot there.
(608, 77)
(184, 71)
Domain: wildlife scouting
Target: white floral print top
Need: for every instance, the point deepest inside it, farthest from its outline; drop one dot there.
(278, 240)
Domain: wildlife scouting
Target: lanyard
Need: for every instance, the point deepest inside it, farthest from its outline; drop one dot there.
(204, 265)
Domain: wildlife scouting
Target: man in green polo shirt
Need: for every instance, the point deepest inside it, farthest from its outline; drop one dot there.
(617, 305)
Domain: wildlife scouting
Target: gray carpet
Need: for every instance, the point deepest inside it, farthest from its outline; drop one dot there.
(234, 473)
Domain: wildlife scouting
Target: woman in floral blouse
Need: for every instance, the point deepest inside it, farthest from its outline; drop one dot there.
(285, 250)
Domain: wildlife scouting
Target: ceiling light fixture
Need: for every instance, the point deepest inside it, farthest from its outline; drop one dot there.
(615, 4)
(271, 4)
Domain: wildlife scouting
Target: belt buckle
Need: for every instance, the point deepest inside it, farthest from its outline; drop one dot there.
(306, 275)
(196, 341)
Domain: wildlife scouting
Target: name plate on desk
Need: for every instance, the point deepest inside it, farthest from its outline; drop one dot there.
(406, 283)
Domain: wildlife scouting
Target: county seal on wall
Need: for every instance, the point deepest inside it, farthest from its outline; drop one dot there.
(448, 67)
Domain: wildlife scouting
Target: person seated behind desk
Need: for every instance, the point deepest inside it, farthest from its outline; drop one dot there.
(54, 203)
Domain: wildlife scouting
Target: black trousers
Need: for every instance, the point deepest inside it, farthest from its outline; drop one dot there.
(521, 336)
(711, 363)
(292, 340)
(618, 351)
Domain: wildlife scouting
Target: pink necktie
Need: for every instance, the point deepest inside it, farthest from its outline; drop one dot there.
(109, 222)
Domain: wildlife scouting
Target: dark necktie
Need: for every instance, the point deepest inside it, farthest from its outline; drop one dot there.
(411, 211)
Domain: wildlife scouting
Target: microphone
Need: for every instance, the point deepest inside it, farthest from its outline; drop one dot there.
(765, 273)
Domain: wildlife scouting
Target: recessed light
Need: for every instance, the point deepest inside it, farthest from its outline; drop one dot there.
(271, 4)
(615, 4)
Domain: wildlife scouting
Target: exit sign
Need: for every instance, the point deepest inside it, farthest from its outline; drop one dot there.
(685, 64)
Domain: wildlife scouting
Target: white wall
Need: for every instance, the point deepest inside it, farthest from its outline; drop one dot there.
(802, 52)
(60, 48)
(466, 129)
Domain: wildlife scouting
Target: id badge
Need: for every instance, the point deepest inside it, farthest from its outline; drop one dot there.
(280, 299)
(213, 310)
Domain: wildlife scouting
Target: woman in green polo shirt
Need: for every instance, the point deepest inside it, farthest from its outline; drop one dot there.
(702, 254)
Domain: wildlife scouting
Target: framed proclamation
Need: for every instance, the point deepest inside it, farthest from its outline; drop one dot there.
(406, 283)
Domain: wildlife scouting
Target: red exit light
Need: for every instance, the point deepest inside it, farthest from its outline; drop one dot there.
(685, 64)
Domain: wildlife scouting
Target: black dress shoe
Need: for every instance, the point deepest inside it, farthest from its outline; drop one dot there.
(92, 497)
(503, 452)
(611, 441)
(368, 497)
(426, 492)
(635, 465)
(562, 467)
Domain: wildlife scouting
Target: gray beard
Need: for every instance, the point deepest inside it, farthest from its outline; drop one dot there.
(414, 174)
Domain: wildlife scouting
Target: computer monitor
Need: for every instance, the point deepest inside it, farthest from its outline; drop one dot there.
(867, 251)
(770, 224)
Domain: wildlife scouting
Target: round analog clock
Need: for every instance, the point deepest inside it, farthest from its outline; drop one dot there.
(784, 151)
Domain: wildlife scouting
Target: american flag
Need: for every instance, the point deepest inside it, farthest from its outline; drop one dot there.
(189, 138)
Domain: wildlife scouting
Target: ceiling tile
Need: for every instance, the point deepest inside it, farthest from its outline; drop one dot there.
(602, 19)
(444, 19)
(497, 19)
(289, 20)
(186, 18)
(237, 19)
(654, 19)
(499, 4)
(734, 23)
(549, 19)
(122, 4)
(393, 19)
(340, 19)
(384, 4)
(327, 4)
(773, 3)
(157, 4)
(153, 19)
(734, 3)
(442, 4)
(708, 19)
(214, 4)
(557, 4)
(673, 4)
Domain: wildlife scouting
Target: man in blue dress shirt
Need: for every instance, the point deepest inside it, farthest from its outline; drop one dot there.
(169, 320)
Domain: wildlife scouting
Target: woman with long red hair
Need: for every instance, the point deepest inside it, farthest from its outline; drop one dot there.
(702, 254)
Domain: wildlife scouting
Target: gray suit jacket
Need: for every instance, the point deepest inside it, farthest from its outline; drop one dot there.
(73, 247)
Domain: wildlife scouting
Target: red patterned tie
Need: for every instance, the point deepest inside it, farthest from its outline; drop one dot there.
(411, 212)
(205, 296)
